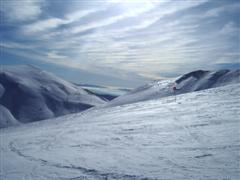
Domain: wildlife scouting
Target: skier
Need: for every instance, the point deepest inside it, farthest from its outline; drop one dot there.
(174, 88)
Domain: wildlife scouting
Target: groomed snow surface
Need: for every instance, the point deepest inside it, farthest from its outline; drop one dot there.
(195, 137)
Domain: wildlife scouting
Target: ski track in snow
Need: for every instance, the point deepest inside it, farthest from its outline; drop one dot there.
(90, 172)
(196, 137)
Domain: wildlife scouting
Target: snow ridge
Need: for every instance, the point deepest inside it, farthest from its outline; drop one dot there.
(193, 81)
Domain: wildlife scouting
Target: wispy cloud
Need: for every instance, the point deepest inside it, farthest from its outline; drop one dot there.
(230, 8)
(51, 23)
(15, 45)
(21, 10)
(55, 55)
(230, 29)
(135, 11)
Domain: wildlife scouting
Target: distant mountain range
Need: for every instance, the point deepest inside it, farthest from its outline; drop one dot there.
(107, 93)
(28, 94)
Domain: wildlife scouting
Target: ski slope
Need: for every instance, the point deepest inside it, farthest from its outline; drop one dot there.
(195, 137)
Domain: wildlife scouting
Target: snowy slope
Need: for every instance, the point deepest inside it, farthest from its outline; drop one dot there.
(193, 81)
(31, 94)
(7, 118)
(196, 137)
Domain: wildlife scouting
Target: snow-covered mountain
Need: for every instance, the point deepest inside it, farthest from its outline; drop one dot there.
(193, 81)
(30, 94)
(108, 93)
(195, 137)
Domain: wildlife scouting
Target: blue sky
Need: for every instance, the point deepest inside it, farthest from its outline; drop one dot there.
(120, 43)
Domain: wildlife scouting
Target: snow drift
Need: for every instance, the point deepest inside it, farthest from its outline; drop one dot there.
(193, 81)
(31, 94)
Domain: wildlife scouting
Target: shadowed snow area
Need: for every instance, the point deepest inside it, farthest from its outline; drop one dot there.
(195, 137)
(193, 81)
(6, 118)
(31, 94)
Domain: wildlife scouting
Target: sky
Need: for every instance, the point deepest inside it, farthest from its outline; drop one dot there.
(120, 42)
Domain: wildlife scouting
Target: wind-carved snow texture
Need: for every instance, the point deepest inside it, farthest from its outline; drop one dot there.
(31, 94)
(195, 137)
(193, 81)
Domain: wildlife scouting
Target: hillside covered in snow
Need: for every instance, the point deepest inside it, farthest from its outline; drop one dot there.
(105, 92)
(29, 94)
(193, 81)
(195, 137)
